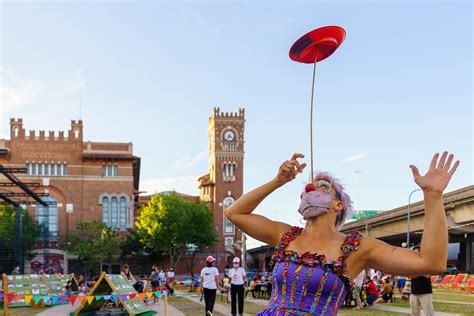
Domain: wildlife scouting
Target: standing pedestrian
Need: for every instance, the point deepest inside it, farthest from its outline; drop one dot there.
(170, 280)
(155, 281)
(421, 296)
(209, 284)
(237, 287)
(359, 280)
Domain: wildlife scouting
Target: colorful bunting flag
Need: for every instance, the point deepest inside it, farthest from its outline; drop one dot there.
(149, 294)
(72, 299)
(158, 294)
(64, 299)
(46, 299)
(107, 297)
(19, 297)
(10, 298)
(141, 296)
(54, 299)
(114, 297)
(98, 297)
(123, 297)
(132, 295)
(90, 299)
(81, 299)
(28, 298)
(1, 296)
(37, 299)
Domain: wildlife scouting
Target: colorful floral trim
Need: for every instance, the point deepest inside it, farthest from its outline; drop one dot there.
(351, 243)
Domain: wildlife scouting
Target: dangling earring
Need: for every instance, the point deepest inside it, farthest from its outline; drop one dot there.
(301, 221)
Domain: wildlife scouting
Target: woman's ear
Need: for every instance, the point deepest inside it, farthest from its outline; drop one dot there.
(339, 206)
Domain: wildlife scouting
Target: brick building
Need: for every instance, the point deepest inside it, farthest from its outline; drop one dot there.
(87, 180)
(221, 186)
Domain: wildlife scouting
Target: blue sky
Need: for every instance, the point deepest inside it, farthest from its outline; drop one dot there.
(396, 91)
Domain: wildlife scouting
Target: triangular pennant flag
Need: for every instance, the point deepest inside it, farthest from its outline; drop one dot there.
(63, 299)
(37, 299)
(10, 298)
(98, 297)
(132, 295)
(107, 297)
(114, 297)
(19, 297)
(123, 297)
(141, 296)
(149, 294)
(46, 298)
(90, 299)
(158, 294)
(165, 293)
(81, 299)
(72, 299)
(1, 296)
(54, 299)
(28, 298)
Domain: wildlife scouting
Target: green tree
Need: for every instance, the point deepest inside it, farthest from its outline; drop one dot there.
(9, 236)
(171, 225)
(94, 243)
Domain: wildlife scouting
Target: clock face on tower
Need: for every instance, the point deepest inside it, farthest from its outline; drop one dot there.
(229, 136)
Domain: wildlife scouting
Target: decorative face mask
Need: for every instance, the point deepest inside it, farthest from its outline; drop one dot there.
(314, 203)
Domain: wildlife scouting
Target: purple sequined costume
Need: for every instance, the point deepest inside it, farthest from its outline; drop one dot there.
(308, 284)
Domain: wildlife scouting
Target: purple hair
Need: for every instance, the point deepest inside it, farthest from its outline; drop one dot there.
(340, 195)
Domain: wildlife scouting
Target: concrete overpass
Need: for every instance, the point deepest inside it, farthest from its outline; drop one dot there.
(391, 226)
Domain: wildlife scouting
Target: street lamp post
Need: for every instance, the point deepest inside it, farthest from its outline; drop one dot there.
(409, 213)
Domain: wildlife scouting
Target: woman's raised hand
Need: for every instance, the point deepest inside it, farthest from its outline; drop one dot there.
(439, 174)
(289, 169)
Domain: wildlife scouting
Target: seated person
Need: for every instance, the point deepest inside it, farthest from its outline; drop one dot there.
(386, 292)
(372, 292)
(252, 289)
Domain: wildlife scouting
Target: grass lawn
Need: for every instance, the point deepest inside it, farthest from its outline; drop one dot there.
(443, 307)
(23, 311)
(453, 297)
(189, 308)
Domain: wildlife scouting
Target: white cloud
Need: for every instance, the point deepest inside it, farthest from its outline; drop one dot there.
(355, 157)
(186, 185)
(189, 162)
(17, 91)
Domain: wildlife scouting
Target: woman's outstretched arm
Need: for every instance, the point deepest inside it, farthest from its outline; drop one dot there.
(258, 226)
(432, 256)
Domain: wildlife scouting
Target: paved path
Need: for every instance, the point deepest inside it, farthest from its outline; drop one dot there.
(66, 309)
(403, 310)
(217, 307)
(454, 302)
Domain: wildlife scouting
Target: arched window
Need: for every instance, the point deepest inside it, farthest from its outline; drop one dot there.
(116, 171)
(228, 226)
(28, 168)
(58, 169)
(33, 169)
(47, 218)
(65, 171)
(109, 170)
(105, 211)
(46, 168)
(123, 213)
(40, 168)
(53, 169)
(114, 213)
(104, 170)
(15, 131)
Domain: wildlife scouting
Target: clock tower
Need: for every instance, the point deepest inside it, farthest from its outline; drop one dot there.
(224, 183)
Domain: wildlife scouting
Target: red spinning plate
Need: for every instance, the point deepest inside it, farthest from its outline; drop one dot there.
(322, 41)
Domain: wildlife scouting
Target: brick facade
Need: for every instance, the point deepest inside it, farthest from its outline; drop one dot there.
(81, 184)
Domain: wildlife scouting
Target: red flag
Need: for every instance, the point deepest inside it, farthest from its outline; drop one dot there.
(133, 295)
(72, 299)
(10, 298)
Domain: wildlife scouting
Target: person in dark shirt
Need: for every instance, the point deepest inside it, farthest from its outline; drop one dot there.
(421, 296)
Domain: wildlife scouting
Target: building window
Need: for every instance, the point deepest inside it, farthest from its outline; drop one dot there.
(33, 168)
(47, 218)
(40, 168)
(116, 171)
(109, 170)
(58, 168)
(228, 241)
(27, 168)
(123, 213)
(105, 210)
(228, 226)
(114, 213)
(53, 169)
(65, 171)
(46, 168)
(104, 170)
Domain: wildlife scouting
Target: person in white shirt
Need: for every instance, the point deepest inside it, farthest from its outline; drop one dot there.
(359, 280)
(209, 284)
(238, 279)
(170, 276)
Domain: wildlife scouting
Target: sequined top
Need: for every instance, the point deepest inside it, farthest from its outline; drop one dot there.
(308, 283)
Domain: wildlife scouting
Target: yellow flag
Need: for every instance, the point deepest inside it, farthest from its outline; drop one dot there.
(28, 298)
(90, 299)
(149, 294)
